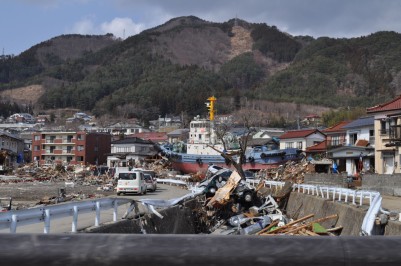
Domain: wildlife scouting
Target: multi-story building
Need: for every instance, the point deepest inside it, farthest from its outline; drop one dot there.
(130, 151)
(301, 139)
(11, 150)
(79, 147)
(356, 155)
(387, 133)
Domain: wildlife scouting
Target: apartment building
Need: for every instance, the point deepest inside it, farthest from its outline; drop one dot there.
(387, 134)
(78, 147)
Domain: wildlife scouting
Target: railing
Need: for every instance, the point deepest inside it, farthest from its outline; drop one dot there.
(46, 214)
(341, 194)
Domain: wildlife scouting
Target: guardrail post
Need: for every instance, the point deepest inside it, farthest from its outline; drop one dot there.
(361, 199)
(97, 219)
(47, 221)
(115, 212)
(75, 219)
(13, 226)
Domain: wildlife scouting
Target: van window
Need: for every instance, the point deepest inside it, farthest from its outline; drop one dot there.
(127, 176)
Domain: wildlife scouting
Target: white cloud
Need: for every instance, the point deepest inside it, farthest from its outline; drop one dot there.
(119, 27)
(122, 27)
(84, 26)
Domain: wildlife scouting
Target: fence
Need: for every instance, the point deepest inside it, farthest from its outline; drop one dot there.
(46, 214)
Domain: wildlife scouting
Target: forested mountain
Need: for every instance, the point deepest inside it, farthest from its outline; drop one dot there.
(173, 68)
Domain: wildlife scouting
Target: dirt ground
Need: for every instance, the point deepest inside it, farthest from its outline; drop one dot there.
(29, 194)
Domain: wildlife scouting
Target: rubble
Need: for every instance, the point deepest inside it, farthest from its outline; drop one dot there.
(228, 213)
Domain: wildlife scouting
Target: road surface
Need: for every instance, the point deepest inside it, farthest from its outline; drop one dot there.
(64, 225)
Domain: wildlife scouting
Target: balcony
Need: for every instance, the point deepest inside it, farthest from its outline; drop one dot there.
(395, 133)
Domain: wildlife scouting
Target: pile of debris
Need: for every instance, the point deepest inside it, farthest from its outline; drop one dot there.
(230, 206)
(76, 174)
(295, 171)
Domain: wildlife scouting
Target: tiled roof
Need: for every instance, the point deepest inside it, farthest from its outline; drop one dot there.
(394, 104)
(322, 146)
(361, 122)
(336, 128)
(299, 133)
(131, 141)
(155, 136)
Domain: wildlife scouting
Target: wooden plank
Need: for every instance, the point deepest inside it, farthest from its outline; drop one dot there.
(290, 224)
(274, 223)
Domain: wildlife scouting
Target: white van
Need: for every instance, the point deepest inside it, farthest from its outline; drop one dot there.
(131, 182)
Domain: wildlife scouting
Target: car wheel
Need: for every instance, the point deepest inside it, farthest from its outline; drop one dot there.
(212, 190)
(248, 197)
(118, 193)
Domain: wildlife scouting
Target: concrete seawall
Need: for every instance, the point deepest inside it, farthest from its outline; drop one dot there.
(385, 184)
(182, 220)
(349, 217)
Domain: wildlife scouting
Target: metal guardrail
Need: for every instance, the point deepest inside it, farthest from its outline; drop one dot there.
(45, 214)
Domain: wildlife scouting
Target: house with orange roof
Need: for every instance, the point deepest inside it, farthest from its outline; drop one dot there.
(356, 152)
(336, 135)
(387, 134)
(301, 139)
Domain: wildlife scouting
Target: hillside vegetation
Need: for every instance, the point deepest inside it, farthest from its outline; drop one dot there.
(173, 68)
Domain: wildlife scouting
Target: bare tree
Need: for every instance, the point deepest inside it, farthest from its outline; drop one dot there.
(245, 119)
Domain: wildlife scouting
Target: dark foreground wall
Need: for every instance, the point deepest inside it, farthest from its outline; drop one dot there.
(194, 250)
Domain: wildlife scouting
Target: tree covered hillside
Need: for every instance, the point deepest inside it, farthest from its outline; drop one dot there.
(173, 68)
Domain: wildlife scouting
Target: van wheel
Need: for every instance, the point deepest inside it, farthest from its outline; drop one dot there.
(146, 191)
(118, 193)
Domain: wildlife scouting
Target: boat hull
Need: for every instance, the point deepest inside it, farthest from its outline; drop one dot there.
(199, 163)
(201, 168)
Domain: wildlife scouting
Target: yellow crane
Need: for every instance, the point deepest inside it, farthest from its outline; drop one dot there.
(210, 105)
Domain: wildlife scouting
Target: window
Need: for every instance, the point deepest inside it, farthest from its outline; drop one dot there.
(127, 176)
(299, 145)
(36, 148)
(353, 138)
(383, 130)
(79, 158)
(37, 137)
(289, 145)
(80, 137)
(335, 141)
(80, 148)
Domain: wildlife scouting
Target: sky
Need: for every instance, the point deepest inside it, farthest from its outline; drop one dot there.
(25, 23)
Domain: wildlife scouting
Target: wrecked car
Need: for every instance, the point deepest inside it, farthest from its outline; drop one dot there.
(243, 193)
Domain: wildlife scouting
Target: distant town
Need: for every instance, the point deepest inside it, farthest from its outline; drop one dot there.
(367, 144)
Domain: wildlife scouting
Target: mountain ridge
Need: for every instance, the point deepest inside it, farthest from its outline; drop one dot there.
(174, 67)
